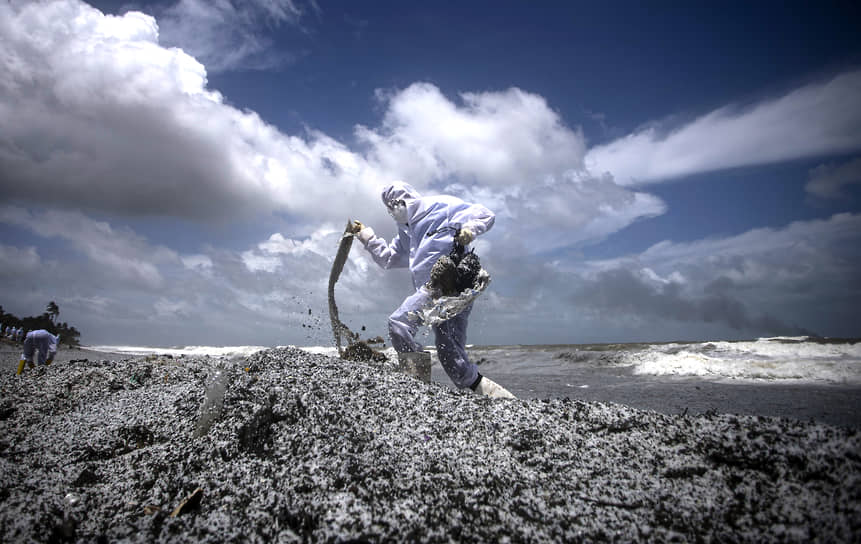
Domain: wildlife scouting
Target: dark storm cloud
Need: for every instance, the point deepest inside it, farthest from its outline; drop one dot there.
(622, 291)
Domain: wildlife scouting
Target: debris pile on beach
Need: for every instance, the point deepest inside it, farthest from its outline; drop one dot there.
(290, 446)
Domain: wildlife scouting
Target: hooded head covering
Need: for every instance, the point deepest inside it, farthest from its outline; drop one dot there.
(397, 198)
(399, 190)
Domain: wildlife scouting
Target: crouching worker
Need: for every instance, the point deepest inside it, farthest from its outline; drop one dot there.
(43, 342)
(426, 227)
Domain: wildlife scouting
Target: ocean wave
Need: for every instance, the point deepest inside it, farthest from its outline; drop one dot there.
(230, 352)
(764, 359)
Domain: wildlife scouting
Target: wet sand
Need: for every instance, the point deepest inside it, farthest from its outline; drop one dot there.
(311, 448)
(838, 405)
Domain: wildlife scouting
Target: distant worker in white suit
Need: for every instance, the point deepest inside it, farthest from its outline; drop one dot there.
(426, 230)
(40, 341)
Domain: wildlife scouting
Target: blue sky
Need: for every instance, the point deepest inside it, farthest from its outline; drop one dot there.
(177, 172)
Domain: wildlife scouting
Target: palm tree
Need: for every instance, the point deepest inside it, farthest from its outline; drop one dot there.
(53, 310)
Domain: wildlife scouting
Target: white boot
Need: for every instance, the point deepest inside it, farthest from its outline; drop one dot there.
(492, 389)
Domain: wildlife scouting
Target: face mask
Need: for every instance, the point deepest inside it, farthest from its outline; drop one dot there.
(398, 211)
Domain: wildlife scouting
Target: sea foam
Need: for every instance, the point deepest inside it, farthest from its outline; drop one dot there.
(769, 359)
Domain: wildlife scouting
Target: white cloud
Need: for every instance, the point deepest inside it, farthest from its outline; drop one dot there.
(261, 263)
(510, 151)
(320, 242)
(496, 139)
(114, 284)
(796, 244)
(571, 212)
(805, 260)
(817, 119)
(271, 254)
(656, 279)
(828, 180)
(118, 251)
(171, 308)
(199, 262)
(93, 304)
(760, 282)
(98, 116)
(796, 279)
(15, 261)
(229, 34)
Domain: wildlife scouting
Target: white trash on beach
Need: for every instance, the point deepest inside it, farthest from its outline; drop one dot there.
(210, 410)
(310, 448)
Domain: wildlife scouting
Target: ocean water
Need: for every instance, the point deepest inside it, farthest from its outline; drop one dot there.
(227, 352)
(767, 360)
(796, 377)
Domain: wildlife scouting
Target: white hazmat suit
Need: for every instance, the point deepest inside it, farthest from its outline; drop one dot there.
(43, 342)
(426, 228)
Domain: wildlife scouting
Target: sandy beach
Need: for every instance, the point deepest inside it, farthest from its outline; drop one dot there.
(102, 447)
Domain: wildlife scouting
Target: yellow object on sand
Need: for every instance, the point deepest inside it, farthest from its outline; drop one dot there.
(21, 366)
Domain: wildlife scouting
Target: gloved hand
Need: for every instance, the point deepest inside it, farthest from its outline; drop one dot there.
(356, 227)
(361, 231)
(465, 236)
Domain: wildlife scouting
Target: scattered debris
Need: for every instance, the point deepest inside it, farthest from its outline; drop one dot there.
(213, 401)
(362, 352)
(310, 448)
(189, 503)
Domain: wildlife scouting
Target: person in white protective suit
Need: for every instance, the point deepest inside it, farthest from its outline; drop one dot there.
(426, 227)
(40, 341)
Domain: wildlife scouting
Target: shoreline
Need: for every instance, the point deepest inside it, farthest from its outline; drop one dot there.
(832, 404)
